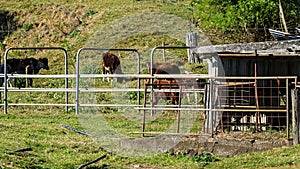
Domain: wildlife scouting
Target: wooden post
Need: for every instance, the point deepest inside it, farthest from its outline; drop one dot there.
(191, 41)
(282, 17)
(295, 116)
(257, 115)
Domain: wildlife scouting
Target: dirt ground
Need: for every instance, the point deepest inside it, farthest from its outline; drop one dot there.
(227, 145)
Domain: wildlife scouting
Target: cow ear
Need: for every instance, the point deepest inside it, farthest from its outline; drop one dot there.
(43, 59)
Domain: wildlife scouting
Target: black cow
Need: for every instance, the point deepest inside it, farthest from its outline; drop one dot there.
(26, 66)
(111, 64)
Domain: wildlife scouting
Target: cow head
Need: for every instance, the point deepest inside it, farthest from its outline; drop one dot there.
(43, 63)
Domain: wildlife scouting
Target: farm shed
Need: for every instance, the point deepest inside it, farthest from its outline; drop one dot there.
(254, 87)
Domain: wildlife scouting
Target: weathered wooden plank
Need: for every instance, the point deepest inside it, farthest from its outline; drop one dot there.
(295, 116)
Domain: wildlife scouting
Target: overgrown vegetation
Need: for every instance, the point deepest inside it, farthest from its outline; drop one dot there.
(246, 17)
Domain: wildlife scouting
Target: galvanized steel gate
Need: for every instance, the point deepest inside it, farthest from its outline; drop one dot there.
(231, 103)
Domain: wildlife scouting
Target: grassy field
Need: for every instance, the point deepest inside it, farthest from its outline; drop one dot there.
(70, 25)
(53, 146)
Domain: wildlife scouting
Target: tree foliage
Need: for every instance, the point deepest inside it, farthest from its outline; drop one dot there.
(245, 14)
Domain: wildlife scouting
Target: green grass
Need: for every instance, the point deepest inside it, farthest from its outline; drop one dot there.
(285, 157)
(56, 147)
(44, 23)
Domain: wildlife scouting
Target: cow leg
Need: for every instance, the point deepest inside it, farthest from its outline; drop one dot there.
(103, 72)
(174, 98)
(26, 71)
(9, 82)
(167, 96)
(195, 95)
(2, 81)
(111, 71)
(188, 97)
(15, 82)
(30, 81)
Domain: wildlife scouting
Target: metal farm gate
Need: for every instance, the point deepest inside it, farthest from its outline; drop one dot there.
(209, 105)
(64, 76)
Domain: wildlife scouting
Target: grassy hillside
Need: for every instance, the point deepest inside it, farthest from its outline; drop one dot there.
(70, 24)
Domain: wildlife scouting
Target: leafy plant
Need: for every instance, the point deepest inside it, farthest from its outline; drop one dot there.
(134, 95)
(74, 33)
(205, 158)
(89, 13)
(65, 44)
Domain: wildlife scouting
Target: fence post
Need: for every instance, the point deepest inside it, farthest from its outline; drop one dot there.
(191, 41)
(295, 116)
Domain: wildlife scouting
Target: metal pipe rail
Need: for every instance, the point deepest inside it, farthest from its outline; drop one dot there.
(41, 104)
(120, 90)
(14, 89)
(107, 105)
(207, 109)
(172, 109)
(41, 76)
(155, 76)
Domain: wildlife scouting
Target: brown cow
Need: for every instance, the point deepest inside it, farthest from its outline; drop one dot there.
(163, 68)
(166, 84)
(111, 64)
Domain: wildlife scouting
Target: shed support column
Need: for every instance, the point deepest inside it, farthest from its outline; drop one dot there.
(295, 116)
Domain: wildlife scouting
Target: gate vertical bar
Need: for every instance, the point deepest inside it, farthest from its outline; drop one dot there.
(295, 117)
(178, 111)
(144, 112)
(139, 80)
(287, 107)
(66, 79)
(210, 107)
(151, 80)
(5, 81)
(77, 82)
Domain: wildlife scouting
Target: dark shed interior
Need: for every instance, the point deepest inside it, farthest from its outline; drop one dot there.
(267, 94)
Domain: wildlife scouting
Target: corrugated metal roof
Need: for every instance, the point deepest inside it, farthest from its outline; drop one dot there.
(279, 35)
